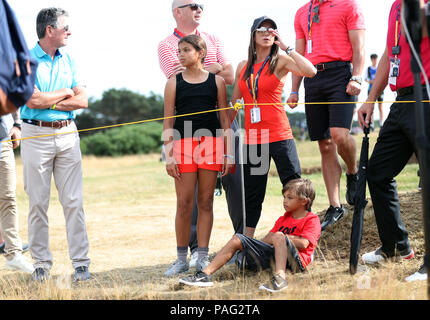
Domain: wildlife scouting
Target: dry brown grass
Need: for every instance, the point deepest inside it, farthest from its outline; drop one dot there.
(130, 206)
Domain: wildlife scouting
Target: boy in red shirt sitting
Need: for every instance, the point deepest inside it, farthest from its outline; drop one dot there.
(290, 243)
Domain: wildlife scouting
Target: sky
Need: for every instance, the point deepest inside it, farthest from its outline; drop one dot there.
(115, 42)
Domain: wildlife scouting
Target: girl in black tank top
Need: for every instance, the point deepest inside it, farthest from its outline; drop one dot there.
(193, 91)
(196, 97)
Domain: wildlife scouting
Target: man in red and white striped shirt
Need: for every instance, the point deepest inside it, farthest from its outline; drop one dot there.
(330, 33)
(187, 15)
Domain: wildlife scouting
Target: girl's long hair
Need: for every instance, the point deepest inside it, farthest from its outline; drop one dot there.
(252, 56)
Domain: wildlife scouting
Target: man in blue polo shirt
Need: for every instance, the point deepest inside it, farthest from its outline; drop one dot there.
(50, 113)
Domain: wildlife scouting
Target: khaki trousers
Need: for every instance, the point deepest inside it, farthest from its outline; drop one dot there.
(60, 156)
(8, 207)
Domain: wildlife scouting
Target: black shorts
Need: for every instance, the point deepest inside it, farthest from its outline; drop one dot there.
(328, 86)
(258, 255)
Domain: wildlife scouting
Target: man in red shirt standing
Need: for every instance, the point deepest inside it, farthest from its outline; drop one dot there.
(396, 142)
(330, 33)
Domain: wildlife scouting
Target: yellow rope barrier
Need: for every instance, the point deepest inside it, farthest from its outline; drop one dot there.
(236, 107)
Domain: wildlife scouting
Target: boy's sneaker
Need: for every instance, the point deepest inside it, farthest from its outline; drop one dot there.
(193, 258)
(19, 263)
(351, 188)
(419, 275)
(199, 279)
(378, 255)
(332, 215)
(276, 284)
(176, 268)
(202, 263)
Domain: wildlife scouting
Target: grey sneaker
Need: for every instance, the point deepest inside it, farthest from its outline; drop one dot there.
(276, 284)
(202, 263)
(199, 279)
(81, 274)
(41, 274)
(332, 215)
(176, 268)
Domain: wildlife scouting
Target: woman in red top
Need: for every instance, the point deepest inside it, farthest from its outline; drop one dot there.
(260, 81)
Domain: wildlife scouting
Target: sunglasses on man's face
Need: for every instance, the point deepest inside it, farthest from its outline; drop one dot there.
(65, 28)
(193, 6)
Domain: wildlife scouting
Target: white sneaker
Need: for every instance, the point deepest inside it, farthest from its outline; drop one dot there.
(19, 263)
(378, 255)
(419, 275)
(374, 256)
(193, 259)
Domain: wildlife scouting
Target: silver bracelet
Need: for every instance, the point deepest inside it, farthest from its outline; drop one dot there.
(289, 50)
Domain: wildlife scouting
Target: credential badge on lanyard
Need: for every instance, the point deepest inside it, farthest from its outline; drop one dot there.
(316, 19)
(253, 89)
(395, 51)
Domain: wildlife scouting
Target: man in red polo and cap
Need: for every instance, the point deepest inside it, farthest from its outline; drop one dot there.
(330, 33)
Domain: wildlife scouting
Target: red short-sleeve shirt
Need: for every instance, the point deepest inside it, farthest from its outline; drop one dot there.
(330, 37)
(405, 78)
(308, 227)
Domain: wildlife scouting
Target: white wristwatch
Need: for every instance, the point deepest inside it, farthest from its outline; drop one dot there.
(357, 79)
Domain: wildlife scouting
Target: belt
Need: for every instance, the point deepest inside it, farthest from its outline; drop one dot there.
(58, 124)
(408, 90)
(405, 91)
(331, 65)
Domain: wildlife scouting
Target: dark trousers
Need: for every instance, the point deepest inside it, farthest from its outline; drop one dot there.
(284, 153)
(232, 185)
(394, 147)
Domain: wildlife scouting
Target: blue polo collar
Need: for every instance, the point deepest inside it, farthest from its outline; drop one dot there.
(41, 53)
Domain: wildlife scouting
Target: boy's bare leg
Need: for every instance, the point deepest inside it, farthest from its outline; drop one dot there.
(281, 253)
(226, 253)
